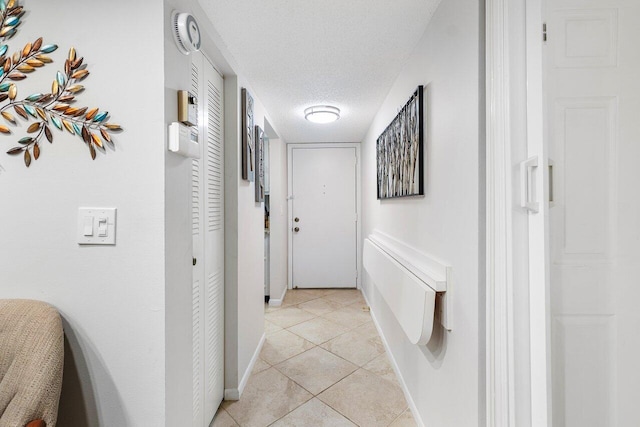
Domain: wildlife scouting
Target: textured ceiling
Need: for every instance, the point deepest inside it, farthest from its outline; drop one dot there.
(299, 53)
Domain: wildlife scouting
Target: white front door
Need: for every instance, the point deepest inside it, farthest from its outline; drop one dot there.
(593, 128)
(324, 217)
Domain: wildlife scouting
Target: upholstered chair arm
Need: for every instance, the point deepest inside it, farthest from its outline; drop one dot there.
(31, 361)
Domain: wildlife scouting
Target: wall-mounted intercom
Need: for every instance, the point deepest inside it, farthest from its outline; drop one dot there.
(183, 140)
(187, 108)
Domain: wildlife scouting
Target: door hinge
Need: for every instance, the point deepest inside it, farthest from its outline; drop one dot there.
(544, 32)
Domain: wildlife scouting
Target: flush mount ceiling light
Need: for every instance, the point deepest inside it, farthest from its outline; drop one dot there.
(322, 114)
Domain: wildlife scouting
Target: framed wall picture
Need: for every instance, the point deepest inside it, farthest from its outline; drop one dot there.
(248, 137)
(266, 164)
(259, 169)
(400, 160)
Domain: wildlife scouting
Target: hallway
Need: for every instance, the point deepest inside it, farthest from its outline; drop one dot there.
(322, 364)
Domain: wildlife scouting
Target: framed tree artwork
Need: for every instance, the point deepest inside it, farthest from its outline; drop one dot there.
(400, 160)
(248, 137)
(259, 146)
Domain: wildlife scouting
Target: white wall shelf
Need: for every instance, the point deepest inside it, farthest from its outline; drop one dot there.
(413, 284)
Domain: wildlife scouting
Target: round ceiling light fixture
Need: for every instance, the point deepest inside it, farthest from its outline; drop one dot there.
(322, 114)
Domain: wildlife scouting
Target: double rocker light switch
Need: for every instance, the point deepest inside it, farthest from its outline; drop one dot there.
(97, 226)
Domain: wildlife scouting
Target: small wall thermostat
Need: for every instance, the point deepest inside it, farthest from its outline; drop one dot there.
(183, 140)
(186, 32)
(187, 108)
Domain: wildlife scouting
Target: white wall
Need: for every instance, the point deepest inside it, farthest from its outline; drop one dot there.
(250, 257)
(244, 243)
(444, 378)
(278, 220)
(111, 297)
(178, 247)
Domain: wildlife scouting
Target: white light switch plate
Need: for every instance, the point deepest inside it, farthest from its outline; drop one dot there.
(96, 226)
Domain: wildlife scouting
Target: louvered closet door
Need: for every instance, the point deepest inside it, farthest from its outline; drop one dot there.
(197, 214)
(213, 155)
(208, 232)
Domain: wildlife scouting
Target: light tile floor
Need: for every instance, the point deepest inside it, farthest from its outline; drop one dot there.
(322, 364)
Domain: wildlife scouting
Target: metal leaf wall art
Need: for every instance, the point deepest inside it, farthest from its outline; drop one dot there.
(46, 110)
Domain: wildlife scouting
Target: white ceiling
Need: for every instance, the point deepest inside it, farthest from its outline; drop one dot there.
(299, 53)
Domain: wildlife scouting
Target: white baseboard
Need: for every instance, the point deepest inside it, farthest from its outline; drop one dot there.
(231, 394)
(235, 393)
(403, 385)
(278, 302)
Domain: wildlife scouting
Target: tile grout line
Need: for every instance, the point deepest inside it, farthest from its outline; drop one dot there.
(334, 383)
(339, 335)
(315, 317)
(351, 328)
(358, 367)
(231, 416)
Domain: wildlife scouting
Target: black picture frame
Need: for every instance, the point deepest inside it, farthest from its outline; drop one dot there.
(400, 152)
(259, 158)
(248, 137)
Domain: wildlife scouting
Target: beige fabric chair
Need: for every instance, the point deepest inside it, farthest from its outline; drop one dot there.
(31, 360)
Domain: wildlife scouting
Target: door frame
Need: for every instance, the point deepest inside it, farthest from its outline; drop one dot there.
(499, 389)
(290, 148)
(503, 399)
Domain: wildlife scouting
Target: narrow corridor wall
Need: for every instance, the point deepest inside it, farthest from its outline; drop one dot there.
(244, 247)
(444, 379)
(278, 219)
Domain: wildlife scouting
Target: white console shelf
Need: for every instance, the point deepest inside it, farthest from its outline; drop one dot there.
(412, 283)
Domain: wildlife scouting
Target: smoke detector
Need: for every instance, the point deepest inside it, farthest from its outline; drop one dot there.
(186, 32)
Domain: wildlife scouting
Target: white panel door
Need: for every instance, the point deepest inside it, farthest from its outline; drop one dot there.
(208, 244)
(593, 118)
(324, 212)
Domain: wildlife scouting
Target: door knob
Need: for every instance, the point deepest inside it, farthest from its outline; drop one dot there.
(297, 219)
(194, 261)
(296, 229)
